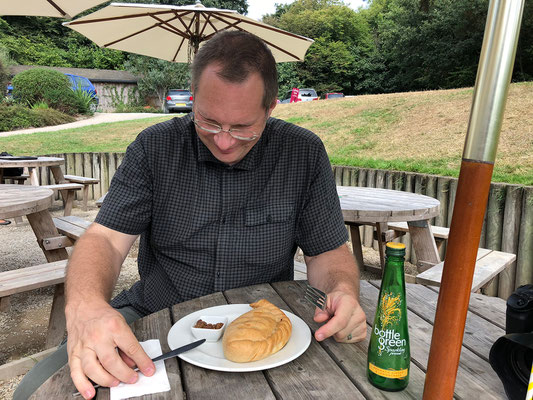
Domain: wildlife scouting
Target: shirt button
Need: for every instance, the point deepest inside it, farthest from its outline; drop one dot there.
(223, 220)
(218, 273)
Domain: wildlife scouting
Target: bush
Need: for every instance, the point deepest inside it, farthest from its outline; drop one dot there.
(44, 85)
(84, 102)
(19, 117)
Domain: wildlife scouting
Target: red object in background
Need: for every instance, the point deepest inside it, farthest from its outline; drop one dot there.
(294, 95)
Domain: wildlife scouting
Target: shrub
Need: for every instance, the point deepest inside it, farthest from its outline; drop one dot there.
(126, 108)
(44, 85)
(19, 117)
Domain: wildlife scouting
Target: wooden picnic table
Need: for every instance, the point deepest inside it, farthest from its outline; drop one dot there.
(53, 163)
(377, 207)
(33, 202)
(326, 370)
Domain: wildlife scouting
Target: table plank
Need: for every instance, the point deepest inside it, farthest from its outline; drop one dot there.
(474, 375)
(312, 375)
(352, 357)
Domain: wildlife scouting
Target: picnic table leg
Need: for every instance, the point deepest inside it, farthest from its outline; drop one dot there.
(424, 245)
(43, 227)
(57, 322)
(34, 176)
(356, 246)
(69, 200)
(59, 177)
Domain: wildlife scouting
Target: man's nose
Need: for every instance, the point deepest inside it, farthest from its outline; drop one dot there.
(224, 140)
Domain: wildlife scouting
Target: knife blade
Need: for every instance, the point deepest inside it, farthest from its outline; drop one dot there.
(165, 356)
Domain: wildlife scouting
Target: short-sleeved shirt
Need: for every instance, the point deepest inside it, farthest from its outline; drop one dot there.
(207, 226)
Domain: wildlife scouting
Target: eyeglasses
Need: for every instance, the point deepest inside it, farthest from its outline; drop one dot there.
(240, 134)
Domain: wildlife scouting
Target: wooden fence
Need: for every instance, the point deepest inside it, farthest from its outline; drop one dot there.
(508, 224)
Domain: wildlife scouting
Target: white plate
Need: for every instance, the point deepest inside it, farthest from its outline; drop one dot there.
(211, 355)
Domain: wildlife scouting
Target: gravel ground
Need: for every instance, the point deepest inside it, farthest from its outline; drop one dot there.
(23, 328)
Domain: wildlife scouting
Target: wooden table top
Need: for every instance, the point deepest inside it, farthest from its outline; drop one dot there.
(19, 200)
(364, 204)
(326, 370)
(39, 162)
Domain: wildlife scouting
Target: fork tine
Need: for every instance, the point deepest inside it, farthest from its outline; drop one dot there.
(315, 302)
(316, 291)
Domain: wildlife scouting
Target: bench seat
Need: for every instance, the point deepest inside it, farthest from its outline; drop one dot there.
(71, 226)
(86, 182)
(20, 179)
(489, 263)
(29, 278)
(439, 232)
(67, 191)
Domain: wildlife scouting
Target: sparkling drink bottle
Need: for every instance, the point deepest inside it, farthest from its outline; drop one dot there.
(389, 354)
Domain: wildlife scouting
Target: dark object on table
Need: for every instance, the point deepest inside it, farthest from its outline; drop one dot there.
(511, 355)
(10, 171)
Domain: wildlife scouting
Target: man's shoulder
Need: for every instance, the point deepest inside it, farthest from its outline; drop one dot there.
(162, 131)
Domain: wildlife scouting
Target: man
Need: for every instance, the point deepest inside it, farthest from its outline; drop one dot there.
(221, 199)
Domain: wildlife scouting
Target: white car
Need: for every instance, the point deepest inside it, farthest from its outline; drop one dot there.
(303, 95)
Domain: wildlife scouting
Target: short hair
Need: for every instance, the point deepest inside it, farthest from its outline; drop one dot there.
(239, 54)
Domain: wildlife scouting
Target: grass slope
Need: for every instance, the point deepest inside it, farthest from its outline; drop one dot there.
(416, 131)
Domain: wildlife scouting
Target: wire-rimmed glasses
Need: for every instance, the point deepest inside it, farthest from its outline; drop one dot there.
(240, 134)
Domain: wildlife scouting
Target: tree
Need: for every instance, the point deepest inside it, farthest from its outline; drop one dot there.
(157, 76)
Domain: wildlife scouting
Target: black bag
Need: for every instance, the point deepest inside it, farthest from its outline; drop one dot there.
(11, 171)
(511, 355)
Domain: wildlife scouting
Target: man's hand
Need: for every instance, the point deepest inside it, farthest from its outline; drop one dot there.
(95, 332)
(347, 320)
(335, 273)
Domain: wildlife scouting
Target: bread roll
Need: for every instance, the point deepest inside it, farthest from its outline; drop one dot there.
(256, 334)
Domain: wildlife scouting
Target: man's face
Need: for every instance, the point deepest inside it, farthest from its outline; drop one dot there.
(231, 106)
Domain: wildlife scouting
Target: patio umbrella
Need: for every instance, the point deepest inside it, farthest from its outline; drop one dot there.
(490, 94)
(47, 8)
(175, 33)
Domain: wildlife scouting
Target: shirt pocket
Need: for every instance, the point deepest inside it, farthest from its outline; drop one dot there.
(269, 232)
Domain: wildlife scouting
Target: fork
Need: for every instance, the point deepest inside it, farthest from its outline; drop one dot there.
(316, 297)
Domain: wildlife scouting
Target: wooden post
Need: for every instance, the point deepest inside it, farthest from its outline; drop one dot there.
(493, 238)
(511, 230)
(524, 265)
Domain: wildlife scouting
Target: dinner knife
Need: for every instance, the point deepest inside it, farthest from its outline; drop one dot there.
(170, 354)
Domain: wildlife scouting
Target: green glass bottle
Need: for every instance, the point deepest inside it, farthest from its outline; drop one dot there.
(389, 354)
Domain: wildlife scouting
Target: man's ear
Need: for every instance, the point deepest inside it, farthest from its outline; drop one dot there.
(271, 108)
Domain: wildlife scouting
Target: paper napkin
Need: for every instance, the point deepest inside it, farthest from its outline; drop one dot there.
(156, 383)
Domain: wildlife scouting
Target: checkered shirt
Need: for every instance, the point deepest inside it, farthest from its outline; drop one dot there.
(206, 226)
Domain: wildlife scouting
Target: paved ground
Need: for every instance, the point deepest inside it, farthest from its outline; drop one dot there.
(97, 118)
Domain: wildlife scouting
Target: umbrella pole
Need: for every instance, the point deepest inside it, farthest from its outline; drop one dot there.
(490, 94)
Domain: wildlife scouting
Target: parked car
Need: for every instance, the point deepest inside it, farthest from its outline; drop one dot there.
(178, 100)
(86, 85)
(329, 96)
(9, 91)
(305, 94)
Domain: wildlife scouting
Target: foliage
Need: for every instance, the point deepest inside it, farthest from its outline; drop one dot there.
(19, 117)
(83, 101)
(157, 76)
(47, 85)
(126, 108)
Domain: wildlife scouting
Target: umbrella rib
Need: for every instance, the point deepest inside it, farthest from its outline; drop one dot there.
(188, 30)
(90, 21)
(160, 24)
(236, 25)
(59, 9)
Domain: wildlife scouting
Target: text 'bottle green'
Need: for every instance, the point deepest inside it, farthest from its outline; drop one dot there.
(389, 354)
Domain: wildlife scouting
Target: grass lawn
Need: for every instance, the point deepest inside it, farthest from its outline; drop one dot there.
(416, 131)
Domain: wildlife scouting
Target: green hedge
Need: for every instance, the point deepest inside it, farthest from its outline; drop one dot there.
(14, 117)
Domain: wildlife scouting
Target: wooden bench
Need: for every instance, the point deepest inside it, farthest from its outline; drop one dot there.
(20, 179)
(71, 226)
(29, 278)
(489, 263)
(100, 200)
(86, 182)
(397, 229)
(67, 191)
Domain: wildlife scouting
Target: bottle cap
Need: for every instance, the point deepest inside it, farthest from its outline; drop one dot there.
(395, 249)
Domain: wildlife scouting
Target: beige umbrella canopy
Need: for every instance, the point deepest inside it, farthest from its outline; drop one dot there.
(175, 33)
(47, 8)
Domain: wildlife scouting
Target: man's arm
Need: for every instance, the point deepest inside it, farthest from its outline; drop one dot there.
(336, 273)
(95, 329)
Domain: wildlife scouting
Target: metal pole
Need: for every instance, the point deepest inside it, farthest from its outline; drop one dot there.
(490, 94)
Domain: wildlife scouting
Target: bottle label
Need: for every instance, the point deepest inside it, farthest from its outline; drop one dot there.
(390, 341)
(387, 373)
